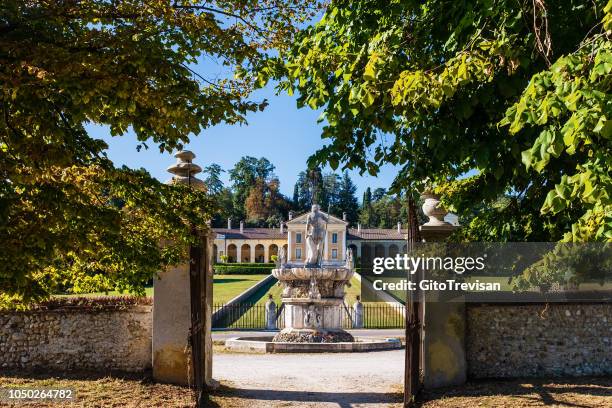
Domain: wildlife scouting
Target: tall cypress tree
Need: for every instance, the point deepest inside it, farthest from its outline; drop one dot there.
(367, 198)
(346, 200)
(365, 215)
(296, 196)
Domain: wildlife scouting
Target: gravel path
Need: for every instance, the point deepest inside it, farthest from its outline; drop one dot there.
(344, 380)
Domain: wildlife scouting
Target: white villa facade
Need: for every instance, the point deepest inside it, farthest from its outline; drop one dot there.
(260, 244)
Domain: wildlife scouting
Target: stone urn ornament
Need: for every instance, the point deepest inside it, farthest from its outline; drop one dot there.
(433, 209)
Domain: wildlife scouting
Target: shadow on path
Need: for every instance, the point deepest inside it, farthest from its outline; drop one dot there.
(341, 399)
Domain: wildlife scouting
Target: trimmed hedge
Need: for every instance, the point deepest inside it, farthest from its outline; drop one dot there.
(244, 268)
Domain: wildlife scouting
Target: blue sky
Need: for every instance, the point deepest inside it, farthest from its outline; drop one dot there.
(284, 134)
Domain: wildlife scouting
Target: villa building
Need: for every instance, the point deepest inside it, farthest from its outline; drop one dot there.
(260, 244)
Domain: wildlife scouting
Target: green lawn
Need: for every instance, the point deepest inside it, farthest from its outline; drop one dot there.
(353, 291)
(275, 291)
(225, 287)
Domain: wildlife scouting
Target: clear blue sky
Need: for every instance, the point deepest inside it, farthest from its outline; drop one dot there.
(284, 134)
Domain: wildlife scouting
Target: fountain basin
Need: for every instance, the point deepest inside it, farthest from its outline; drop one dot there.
(324, 273)
(264, 344)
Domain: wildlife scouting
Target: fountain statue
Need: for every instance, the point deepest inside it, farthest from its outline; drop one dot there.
(313, 291)
(316, 229)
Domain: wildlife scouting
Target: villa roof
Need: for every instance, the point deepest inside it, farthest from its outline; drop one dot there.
(376, 234)
(251, 233)
(301, 219)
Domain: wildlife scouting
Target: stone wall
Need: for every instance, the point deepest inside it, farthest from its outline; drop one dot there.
(508, 340)
(78, 338)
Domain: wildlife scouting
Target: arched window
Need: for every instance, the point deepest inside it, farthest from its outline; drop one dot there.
(232, 253)
(272, 251)
(245, 253)
(259, 253)
(367, 254)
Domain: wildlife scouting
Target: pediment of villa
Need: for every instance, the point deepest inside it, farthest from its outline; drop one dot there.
(301, 219)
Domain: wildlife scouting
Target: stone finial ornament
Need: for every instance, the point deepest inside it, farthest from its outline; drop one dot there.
(184, 170)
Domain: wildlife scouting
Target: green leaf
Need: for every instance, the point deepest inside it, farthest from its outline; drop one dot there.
(368, 98)
(604, 127)
(369, 74)
(527, 158)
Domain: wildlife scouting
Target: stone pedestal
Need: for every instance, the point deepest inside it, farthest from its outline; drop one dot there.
(307, 313)
(313, 321)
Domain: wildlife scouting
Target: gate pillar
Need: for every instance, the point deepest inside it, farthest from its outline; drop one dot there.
(172, 306)
(443, 348)
(171, 323)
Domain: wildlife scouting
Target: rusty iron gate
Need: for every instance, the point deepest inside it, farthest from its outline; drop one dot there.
(197, 287)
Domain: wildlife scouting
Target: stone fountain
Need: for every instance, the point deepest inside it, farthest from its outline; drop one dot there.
(313, 291)
(313, 299)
